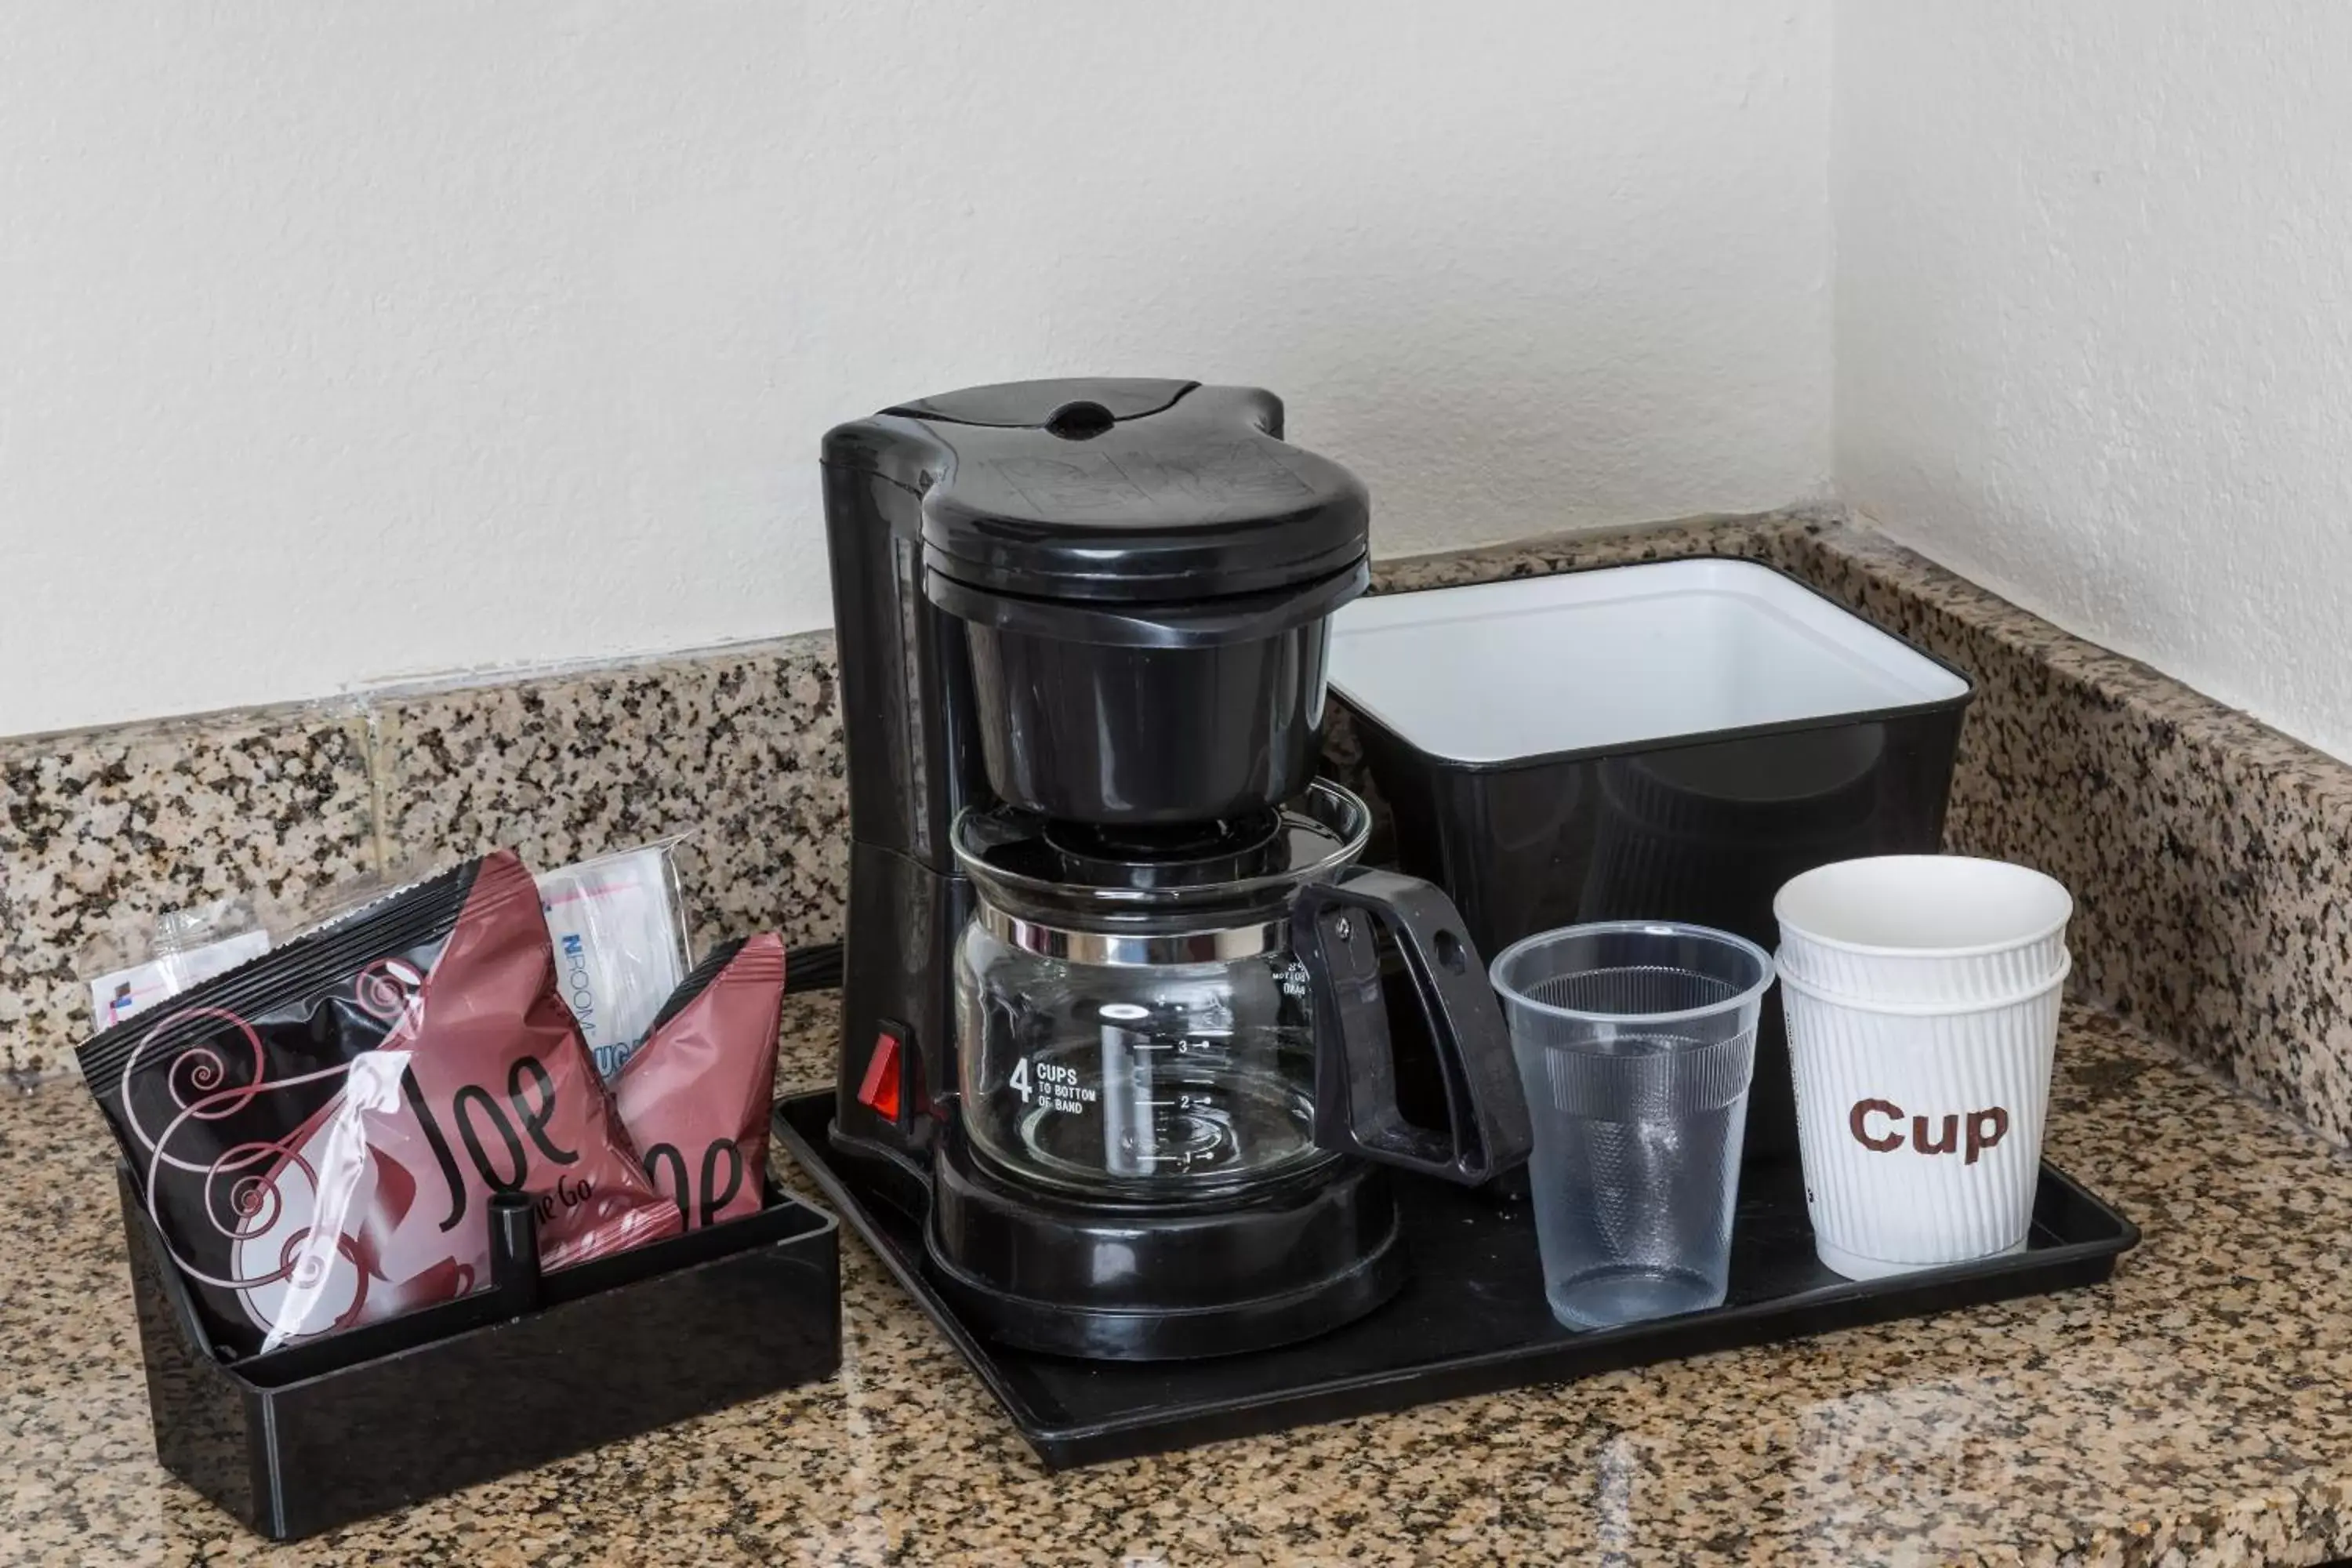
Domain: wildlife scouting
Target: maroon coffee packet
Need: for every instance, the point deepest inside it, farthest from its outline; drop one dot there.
(696, 1097)
(318, 1133)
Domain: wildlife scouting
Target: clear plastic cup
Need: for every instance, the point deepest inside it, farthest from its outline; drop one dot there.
(1636, 1040)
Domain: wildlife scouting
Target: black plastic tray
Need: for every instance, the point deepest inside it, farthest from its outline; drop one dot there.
(1471, 1321)
(529, 1371)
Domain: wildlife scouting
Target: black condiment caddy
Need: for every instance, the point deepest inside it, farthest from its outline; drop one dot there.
(533, 1369)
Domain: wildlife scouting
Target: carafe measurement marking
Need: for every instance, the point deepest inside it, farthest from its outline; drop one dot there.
(1052, 1086)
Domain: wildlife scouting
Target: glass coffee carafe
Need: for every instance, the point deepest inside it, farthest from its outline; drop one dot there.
(1136, 1021)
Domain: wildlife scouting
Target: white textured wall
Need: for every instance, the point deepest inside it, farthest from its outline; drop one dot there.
(2094, 323)
(343, 341)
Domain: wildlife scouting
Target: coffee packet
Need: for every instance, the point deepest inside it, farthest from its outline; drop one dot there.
(180, 948)
(618, 923)
(697, 1095)
(317, 1134)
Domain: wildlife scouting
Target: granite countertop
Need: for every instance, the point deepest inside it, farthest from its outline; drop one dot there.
(2195, 1409)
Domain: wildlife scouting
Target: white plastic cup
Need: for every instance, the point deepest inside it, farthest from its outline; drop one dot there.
(1919, 1125)
(1923, 928)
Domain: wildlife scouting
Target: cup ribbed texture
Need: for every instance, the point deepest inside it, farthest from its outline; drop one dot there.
(1955, 1104)
(1630, 990)
(1922, 977)
(1618, 1067)
(1669, 1078)
(1923, 928)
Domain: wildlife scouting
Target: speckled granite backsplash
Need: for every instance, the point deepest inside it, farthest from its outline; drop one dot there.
(99, 830)
(2214, 901)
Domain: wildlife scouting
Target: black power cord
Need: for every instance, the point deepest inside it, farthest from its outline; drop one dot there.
(816, 967)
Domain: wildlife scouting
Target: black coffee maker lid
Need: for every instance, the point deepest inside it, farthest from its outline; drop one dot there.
(1116, 490)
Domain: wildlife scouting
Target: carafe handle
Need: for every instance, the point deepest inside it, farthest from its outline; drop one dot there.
(1333, 928)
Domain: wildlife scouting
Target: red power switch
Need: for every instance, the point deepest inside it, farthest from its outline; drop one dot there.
(880, 1092)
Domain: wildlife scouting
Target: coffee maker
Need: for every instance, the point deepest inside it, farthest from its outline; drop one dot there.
(1115, 1016)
